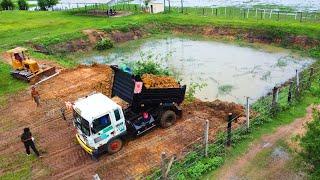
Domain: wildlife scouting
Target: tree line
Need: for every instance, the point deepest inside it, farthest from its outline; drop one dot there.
(23, 4)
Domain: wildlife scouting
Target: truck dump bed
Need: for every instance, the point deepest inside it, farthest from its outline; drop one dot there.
(124, 85)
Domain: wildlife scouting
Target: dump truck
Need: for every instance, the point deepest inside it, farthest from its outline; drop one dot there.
(28, 69)
(103, 123)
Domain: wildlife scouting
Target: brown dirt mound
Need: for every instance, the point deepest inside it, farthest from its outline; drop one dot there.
(153, 81)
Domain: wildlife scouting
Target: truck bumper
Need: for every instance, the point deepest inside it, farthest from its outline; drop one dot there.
(83, 145)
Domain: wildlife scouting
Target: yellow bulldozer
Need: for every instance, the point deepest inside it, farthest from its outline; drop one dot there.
(28, 69)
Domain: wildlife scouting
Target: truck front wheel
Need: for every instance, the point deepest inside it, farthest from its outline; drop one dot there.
(114, 145)
(168, 118)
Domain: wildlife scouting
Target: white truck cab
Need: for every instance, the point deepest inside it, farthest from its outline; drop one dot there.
(100, 123)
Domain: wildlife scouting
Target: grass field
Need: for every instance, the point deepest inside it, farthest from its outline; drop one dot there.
(18, 27)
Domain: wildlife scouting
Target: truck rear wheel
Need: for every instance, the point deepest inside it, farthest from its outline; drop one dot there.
(168, 118)
(114, 146)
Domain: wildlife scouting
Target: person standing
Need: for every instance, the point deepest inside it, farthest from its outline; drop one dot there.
(27, 140)
(35, 95)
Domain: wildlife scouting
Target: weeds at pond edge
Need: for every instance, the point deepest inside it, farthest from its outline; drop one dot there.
(194, 165)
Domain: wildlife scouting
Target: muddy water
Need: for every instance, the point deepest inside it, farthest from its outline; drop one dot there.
(230, 72)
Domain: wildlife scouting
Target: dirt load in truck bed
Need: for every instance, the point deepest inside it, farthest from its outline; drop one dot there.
(154, 81)
(55, 137)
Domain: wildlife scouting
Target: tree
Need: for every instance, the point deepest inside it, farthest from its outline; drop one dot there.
(7, 5)
(23, 5)
(46, 4)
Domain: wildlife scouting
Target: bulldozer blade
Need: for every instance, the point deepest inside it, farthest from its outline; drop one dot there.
(43, 75)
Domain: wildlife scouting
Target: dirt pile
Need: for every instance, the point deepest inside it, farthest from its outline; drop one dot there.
(225, 107)
(78, 82)
(153, 81)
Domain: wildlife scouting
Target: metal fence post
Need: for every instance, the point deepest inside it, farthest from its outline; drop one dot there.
(206, 137)
(229, 129)
(248, 112)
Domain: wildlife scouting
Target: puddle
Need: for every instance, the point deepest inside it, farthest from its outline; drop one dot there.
(229, 71)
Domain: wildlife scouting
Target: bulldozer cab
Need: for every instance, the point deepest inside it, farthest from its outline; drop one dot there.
(21, 61)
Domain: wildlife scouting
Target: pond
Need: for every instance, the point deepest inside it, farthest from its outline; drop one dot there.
(230, 72)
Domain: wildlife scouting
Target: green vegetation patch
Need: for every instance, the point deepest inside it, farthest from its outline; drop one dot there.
(19, 167)
(8, 84)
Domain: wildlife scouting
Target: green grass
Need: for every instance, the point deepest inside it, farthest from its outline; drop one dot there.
(7, 83)
(19, 27)
(283, 118)
(19, 167)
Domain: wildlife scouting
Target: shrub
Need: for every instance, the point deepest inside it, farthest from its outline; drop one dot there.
(7, 5)
(149, 67)
(45, 4)
(192, 89)
(23, 5)
(310, 143)
(104, 44)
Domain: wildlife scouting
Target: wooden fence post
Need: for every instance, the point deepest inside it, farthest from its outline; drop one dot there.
(297, 84)
(248, 112)
(310, 77)
(229, 129)
(277, 95)
(163, 165)
(206, 137)
(274, 96)
(290, 92)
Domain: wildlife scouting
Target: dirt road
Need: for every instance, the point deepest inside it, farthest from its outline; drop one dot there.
(254, 164)
(64, 158)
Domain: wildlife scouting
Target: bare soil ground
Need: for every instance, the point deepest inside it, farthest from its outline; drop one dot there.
(265, 159)
(64, 158)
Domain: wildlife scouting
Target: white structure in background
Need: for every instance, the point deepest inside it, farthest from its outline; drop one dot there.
(155, 7)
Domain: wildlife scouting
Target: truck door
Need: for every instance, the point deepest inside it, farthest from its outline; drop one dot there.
(102, 129)
(120, 126)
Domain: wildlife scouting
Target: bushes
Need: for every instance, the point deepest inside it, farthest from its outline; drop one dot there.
(310, 143)
(7, 5)
(104, 44)
(23, 5)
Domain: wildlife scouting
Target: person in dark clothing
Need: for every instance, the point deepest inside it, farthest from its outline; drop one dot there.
(27, 140)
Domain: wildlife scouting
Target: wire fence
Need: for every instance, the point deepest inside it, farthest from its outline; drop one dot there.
(213, 149)
(227, 12)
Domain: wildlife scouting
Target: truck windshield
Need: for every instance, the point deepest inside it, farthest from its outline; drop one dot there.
(82, 124)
